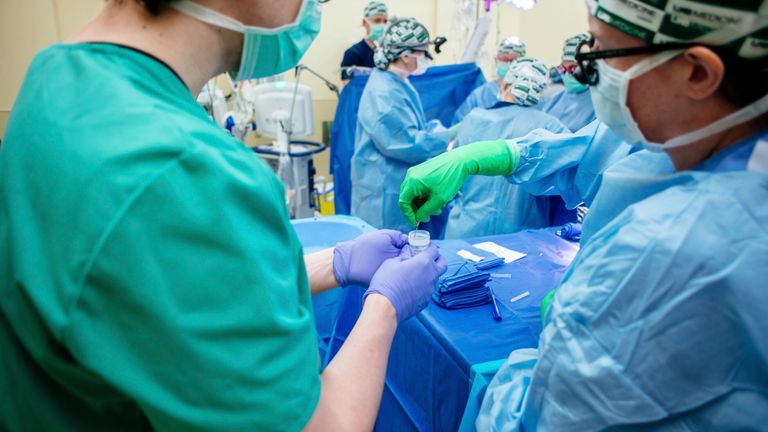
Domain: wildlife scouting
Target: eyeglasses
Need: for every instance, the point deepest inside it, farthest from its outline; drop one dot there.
(438, 43)
(570, 69)
(586, 72)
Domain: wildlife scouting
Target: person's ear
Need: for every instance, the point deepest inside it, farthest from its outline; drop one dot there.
(410, 62)
(704, 72)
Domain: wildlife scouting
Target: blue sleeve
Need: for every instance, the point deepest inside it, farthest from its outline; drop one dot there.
(396, 132)
(570, 165)
(656, 323)
(503, 403)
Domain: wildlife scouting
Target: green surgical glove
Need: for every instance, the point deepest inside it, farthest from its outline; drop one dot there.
(545, 302)
(428, 187)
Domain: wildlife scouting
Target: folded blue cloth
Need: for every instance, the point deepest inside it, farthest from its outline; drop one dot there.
(570, 231)
(463, 299)
(463, 288)
(465, 282)
(489, 263)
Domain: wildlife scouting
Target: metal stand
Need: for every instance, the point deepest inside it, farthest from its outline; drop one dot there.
(296, 170)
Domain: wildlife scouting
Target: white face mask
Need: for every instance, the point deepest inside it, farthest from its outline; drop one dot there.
(397, 70)
(422, 64)
(610, 94)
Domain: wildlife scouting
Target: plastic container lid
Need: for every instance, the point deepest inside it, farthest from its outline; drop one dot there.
(418, 238)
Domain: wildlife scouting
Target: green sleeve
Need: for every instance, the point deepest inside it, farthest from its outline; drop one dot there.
(196, 303)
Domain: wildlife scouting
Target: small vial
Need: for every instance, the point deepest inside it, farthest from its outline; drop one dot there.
(419, 240)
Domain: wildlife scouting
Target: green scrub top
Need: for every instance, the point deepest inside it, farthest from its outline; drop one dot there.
(149, 275)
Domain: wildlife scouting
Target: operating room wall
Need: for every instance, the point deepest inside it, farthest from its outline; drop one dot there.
(544, 29)
(26, 26)
(341, 28)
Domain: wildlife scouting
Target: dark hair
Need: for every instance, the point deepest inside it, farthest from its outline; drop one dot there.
(155, 6)
(745, 80)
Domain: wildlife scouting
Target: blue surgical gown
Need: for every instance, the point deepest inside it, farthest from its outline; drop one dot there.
(575, 110)
(492, 205)
(659, 323)
(392, 135)
(551, 90)
(484, 96)
(570, 165)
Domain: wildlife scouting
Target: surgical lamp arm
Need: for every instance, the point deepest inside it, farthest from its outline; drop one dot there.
(331, 86)
(297, 71)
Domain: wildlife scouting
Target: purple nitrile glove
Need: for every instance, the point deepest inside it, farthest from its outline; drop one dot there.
(356, 261)
(408, 282)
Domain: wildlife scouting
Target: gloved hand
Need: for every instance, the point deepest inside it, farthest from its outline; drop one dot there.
(545, 302)
(356, 261)
(429, 186)
(407, 281)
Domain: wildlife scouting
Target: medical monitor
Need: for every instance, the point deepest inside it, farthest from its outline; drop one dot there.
(272, 106)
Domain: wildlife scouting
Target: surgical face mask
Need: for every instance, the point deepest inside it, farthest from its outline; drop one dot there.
(422, 64)
(610, 100)
(572, 85)
(501, 69)
(266, 52)
(377, 31)
(609, 96)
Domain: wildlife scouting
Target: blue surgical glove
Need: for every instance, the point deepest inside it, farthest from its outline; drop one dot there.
(407, 281)
(356, 261)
